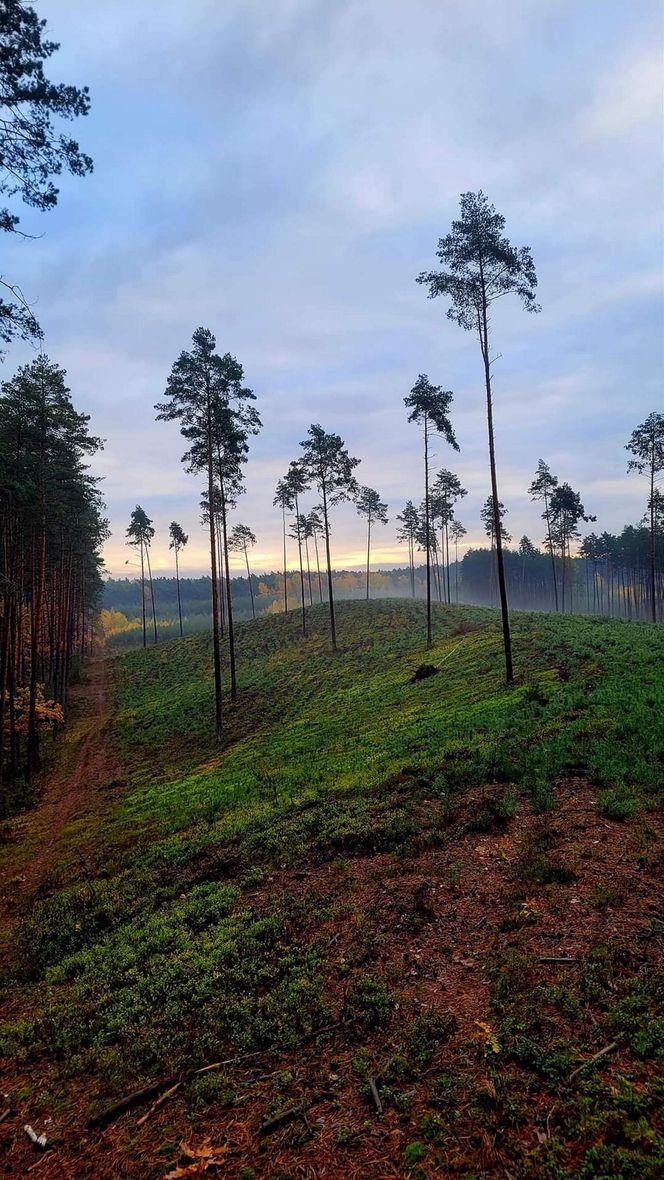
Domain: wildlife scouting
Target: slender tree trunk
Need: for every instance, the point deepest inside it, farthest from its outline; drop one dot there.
(299, 551)
(333, 626)
(320, 580)
(283, 518)
(507, 639)
(551, 553)
(229, 593)
(177, 582)
(220, 566)
(251, 589)
(447, 560)
(306, 549)
(32, 762)
(653, 598)
(456, 572)
(368, 551)
(154, 612)
(427, 540)
(216, 652)
(145, 634)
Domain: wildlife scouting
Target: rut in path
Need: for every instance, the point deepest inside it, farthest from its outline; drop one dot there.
(72, 789)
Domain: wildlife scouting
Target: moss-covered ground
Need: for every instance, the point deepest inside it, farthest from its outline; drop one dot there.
(444, 890)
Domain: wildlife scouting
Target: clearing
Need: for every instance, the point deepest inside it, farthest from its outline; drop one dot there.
(419, 924)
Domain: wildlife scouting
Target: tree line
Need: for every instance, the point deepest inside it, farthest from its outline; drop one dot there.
(51, 532)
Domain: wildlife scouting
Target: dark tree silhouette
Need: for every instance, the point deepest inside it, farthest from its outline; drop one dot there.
(239, 541)
(213, 408)
(295, 482)
(282, 500)
(140, 534)
(446, 491)
(566, 511)
(647, 445)
(542, 488)
(481, 266)
(32, 151)
(370, 505)
(457, 533)
(315, 524)
(429, 405)
(328, 467)
(50, 532)
(407, 531)
(178, 541)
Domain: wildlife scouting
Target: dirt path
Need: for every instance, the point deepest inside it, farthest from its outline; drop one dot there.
(55, 835)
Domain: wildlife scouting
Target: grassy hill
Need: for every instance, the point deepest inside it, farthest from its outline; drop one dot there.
(441, 898)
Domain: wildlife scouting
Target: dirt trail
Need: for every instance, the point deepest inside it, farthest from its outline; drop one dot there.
(74, 788)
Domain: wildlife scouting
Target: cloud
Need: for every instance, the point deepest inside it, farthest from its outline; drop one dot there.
(281, 174)
(630, 96)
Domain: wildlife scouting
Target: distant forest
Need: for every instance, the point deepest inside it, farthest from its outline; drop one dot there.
(609, 577)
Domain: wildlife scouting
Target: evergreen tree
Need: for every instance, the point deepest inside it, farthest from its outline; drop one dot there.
(370, 505)
(282, 500)
(566, 511)
(429, 405)
(457, 533)
(481, 266)
(32, 151)
(239, 541)
(207, 396)
(178, 541)
(140, 534)
(542, 488)
(296, 483)
(315, 524)
(51, 529)
(407, 531)
(328, 467)
(647, 445)
(446, 491)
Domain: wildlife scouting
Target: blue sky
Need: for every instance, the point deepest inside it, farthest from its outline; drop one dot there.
(281, 170)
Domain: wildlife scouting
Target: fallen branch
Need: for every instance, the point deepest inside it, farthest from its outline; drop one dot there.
(172, 1084)
(129, 1101)
(557, 959)
(160, 1102)
(375, 1095)
(280, 1120)
(596, 1057)
(5, 1114)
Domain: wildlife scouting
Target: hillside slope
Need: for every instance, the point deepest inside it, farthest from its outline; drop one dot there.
(405, 916)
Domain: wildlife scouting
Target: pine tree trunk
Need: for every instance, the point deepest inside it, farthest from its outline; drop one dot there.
(299, 551)
(427, 539)
(229, 594)
(283, 517)
(154, 612)
(177, 582)
(216, 652)
(320, 580)
(326, 522)
(251, 589)
(368, 551)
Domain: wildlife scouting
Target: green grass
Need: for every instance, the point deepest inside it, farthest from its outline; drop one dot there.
(309, 722)
(162, 962)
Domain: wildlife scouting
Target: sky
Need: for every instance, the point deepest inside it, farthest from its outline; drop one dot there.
(281, 170)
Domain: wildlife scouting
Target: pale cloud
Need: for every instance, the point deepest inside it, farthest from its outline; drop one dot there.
(629, 96)
(282, 172)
